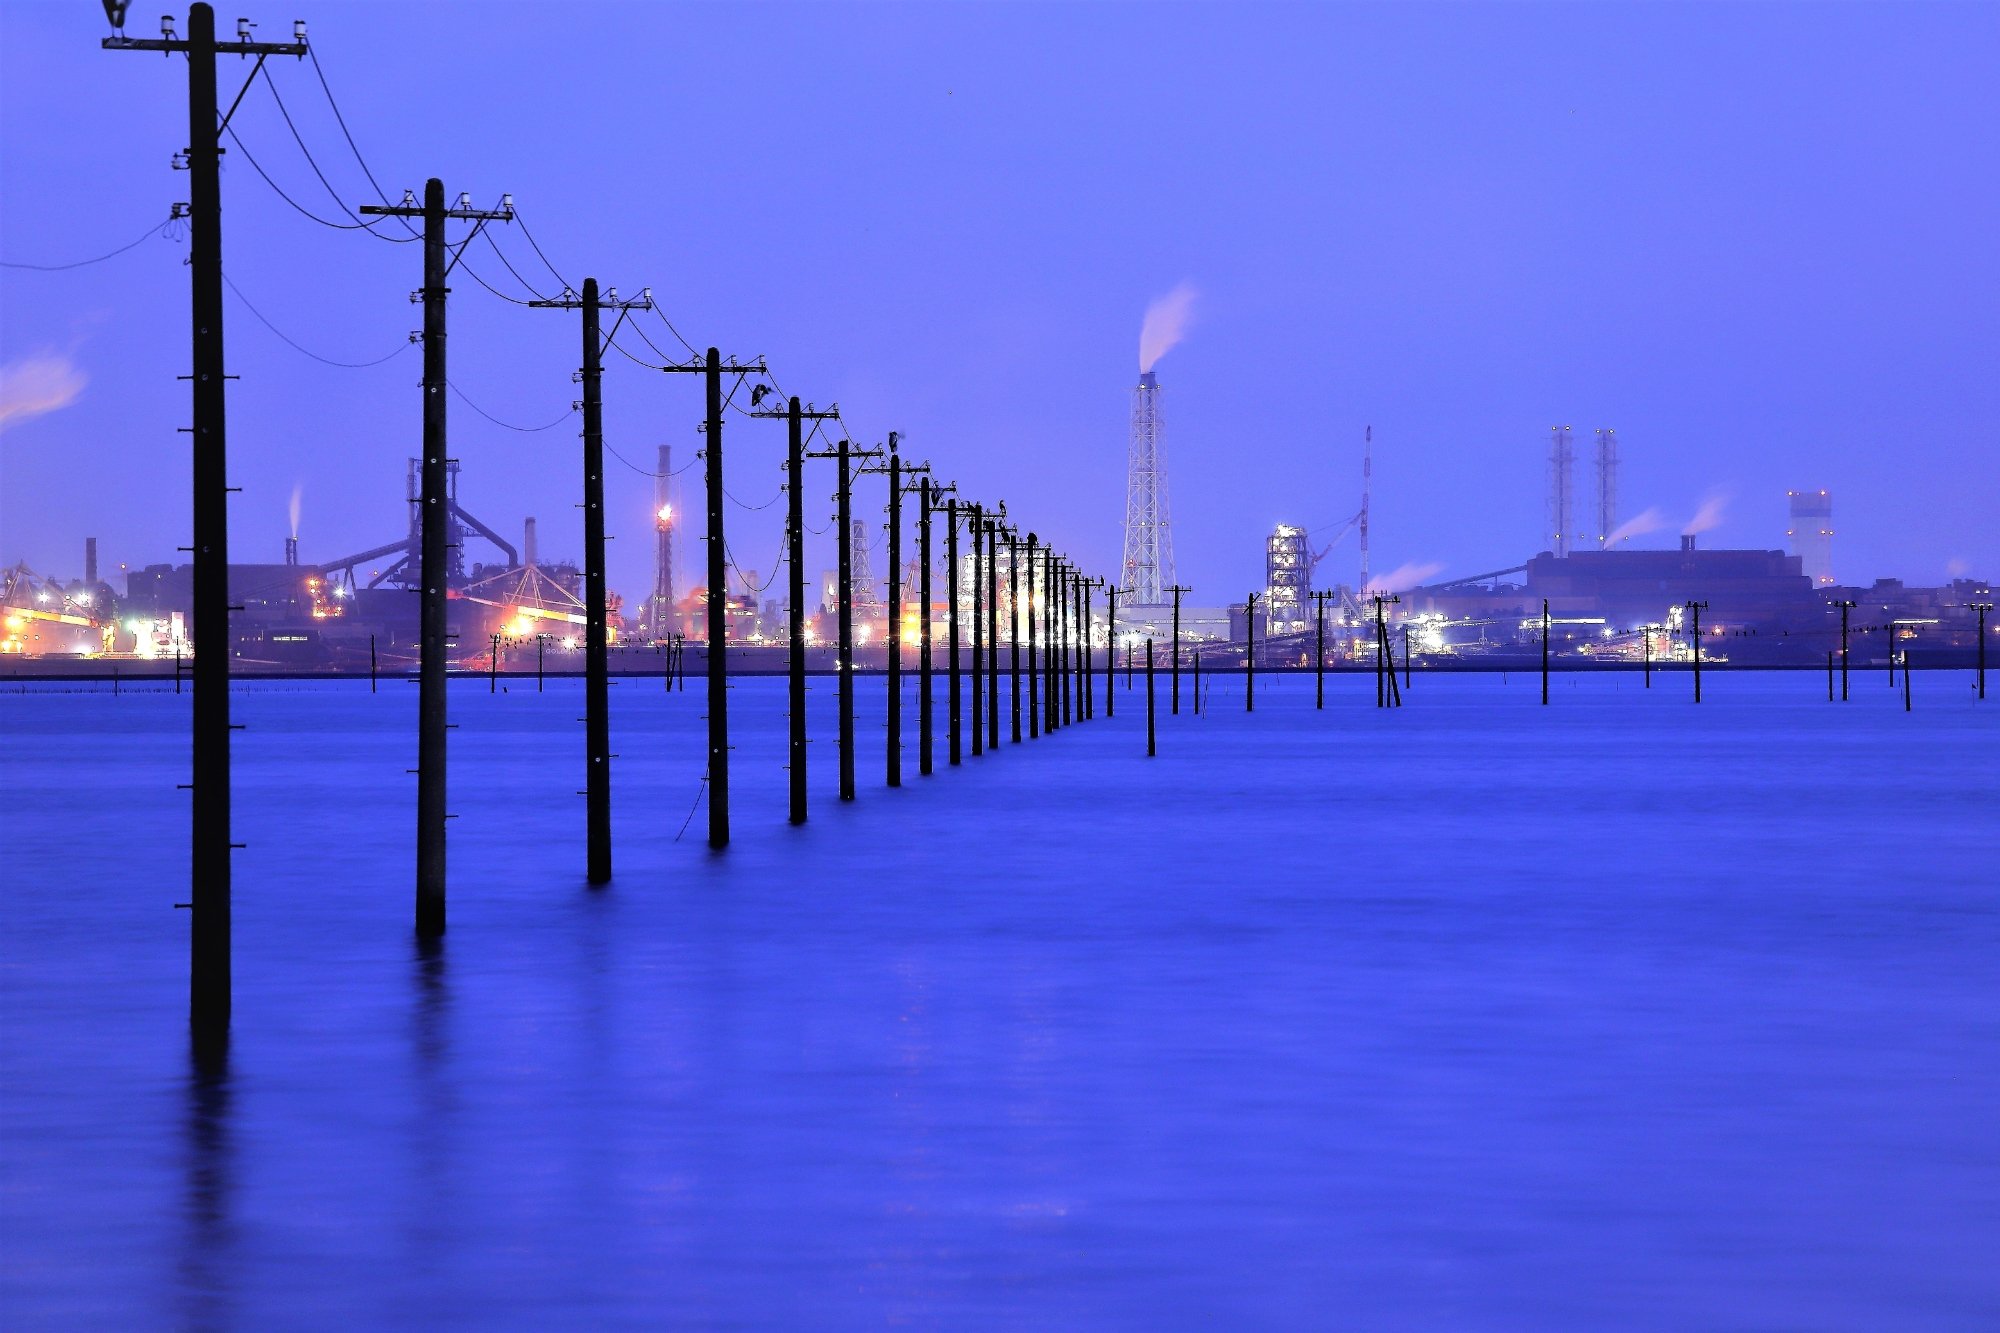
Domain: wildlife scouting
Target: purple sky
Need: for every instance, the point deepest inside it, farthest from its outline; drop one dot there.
(1759, 240)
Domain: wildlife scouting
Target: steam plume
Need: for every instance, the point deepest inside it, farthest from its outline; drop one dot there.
(297, 491)
(38, 384)
(1167, 321)
(1708, 516)
(1402, 578)
(1637, 525)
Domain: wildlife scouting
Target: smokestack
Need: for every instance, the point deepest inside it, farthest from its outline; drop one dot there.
(528, 552)
(1687, 541)
(291, 550)
(90, 563)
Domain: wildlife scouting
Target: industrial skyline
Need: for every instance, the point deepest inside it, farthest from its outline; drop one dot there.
(1293, 353)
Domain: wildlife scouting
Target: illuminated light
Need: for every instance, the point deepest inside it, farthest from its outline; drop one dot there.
(666, 514)
(83, 599)
(569, 642)
(42, 597)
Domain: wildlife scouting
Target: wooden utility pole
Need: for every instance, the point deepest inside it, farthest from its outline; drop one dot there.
(596, 641)
(433, 550)
(795, 416)
(1175, 666)
(712, 368)
(209, 833)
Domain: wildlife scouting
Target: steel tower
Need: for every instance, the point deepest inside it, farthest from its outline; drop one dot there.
(1607, 484)
(1149, 534)
(660, 606)
(1562, 467)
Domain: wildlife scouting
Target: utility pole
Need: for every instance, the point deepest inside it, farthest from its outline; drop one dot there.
(1014, 607)
(1249, 653)
(433, 542)
(1545, 657)
(993, 531)
(1036, 686)
(1646, 641)
(1111, 648)
(952, 709)
(1319, 648)
(976, 524)
(209, 899)
(1079, 641)
(596, 654)
(926, 498)
(1151, 745)
(1982, 608)
(893, 639)
(1175, 592)
(795, 623)
(1387, 694)
(712, 368)
(1694, 636)
(1845, 607)
(1089, 651)
(844, 453)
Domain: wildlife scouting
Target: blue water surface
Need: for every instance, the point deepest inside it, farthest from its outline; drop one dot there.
(1623, 1012)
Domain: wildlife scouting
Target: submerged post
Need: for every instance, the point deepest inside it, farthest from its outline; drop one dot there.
(1845, 607)
(1174, 665)
(1035, 684)
(1982, 608)
(1197, 678)
(924, 627)
(1014, 636)
(1110, 649)
(1694, 635)
(976, 526)
(893, 640)
(1545, 651)
(1151, 748)
(795, 620)
(993, 628)
(718, 621)
(1250, 653)
(1319, 649)
(844, 616)
(951, 623)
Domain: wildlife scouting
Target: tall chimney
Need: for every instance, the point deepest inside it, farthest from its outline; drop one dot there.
(1687, 541)
(90, 563)
(528, 552)
(291, 550)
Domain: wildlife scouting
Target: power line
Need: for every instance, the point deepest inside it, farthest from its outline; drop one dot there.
(525, 430)
(497, 253)
(251, 158)
(299, 139)
(157, 229)
(313, 53)
(538, 250)
(344, 365)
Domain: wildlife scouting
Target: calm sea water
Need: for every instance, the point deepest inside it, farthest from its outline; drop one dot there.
(1619, 1013)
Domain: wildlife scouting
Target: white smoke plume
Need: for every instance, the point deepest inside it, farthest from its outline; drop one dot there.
(1957, 567)
(1402, 578)
(1636, 526)
(1167, 321)
(38, 384)
(1708, 516)
(298, 491)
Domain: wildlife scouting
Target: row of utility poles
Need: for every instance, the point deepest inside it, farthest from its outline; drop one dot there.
(1059, 683)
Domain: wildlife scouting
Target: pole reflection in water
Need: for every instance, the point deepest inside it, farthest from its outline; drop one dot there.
(208, 1233)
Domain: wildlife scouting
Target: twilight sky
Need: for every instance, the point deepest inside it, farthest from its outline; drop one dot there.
(1758, 240)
